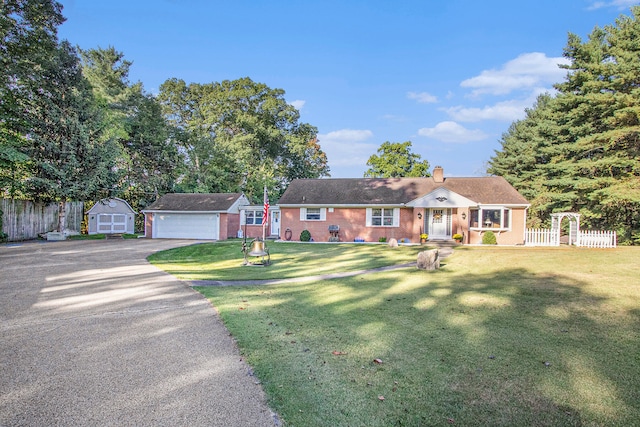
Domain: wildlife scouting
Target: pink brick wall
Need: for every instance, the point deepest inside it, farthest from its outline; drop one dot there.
(352, 223)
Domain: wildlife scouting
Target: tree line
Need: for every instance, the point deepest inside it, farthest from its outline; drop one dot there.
(73, 127)
(579, 150)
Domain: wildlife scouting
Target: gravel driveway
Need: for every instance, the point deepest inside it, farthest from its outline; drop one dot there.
(92, 335)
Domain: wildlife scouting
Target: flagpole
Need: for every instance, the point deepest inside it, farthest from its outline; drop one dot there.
(265, 215)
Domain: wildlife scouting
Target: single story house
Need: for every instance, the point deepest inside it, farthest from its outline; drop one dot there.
(368, 209)
(202, 216)
(251, 222)
(111, 216)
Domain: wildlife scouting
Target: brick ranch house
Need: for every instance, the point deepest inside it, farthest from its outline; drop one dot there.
(402, 208)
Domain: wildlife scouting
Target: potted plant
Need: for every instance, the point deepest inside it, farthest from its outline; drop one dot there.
(457, 237)
(423, 237)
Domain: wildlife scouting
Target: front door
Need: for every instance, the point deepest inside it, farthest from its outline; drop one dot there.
(439, 224)
(275, 223)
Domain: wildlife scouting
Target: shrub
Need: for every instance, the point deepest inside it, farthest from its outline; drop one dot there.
(489, 238)
(382, 239)
(305, 236)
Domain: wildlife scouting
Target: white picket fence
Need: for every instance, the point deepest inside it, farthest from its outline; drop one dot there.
(541, 237)
(597, 239)
(586, 239)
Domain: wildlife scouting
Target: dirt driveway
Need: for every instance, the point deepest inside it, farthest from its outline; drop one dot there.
(91, 334)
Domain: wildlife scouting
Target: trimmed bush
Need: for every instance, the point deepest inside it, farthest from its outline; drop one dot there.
(489, 238)
(305, 236)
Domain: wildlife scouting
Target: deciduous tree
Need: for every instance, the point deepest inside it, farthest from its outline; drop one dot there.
(395, 160)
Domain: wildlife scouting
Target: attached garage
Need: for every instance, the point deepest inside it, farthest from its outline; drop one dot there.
(209, 216)
(186, 226)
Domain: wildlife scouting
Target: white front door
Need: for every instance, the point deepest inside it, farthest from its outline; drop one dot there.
(275, 223)
(439, 224)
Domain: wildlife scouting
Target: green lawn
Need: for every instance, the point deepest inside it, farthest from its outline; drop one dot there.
(223, 260)
(497, 336)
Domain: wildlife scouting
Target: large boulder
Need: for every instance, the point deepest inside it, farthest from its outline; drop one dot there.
(429, 260)
(393, 243)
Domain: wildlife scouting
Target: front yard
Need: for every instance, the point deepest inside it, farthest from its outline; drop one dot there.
(497, 336)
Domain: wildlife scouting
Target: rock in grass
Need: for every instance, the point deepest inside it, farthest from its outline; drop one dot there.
(429, 260)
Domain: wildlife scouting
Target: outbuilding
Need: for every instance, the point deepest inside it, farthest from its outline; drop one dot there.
(202, 216)
(111, 216)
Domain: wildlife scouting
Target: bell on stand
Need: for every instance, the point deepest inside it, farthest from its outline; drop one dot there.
(258, 251)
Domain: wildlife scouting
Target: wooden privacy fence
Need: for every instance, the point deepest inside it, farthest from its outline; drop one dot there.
(587, 239)
(25, 220)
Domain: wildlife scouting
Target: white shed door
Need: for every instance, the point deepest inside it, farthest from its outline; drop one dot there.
(186, 226)
(112, 223)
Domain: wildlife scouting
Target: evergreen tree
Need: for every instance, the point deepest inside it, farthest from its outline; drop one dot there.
(28, 37)
(146, 156)
(580, 151)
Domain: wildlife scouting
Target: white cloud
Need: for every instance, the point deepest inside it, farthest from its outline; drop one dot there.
(618, 4)
(507, 111)
(298, 104)
(422, 97)
(525, 72)
(452, 132)
(347, 151)
(347, 135)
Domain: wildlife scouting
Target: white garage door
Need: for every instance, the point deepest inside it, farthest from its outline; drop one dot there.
(186, 226)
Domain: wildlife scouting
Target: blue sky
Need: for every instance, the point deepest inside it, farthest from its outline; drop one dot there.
(450, 76)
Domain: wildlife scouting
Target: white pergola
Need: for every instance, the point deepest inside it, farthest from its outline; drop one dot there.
(574, 225)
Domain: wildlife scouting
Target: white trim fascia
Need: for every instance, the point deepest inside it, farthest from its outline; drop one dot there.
(342, 206)
(258, 208)
(113, 198)
(451, 200)
(501, 205)
(183, 212)
(238, 204)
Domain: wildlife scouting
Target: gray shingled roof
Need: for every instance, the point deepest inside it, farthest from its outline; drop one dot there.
(198, 202)
(396, 191)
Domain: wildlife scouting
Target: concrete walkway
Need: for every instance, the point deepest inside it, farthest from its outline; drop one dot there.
(92, 335)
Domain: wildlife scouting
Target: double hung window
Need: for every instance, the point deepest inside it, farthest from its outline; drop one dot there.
(383, 217)
(253, 217)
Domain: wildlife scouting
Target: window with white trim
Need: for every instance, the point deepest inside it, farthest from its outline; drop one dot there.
(490, 218)
(383, 217)
(253, 217)
(313, 214)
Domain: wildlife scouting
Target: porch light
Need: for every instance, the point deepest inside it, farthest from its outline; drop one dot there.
(464, 216)
(419, 215)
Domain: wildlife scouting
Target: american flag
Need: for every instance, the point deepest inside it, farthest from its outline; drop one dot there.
(265, 212)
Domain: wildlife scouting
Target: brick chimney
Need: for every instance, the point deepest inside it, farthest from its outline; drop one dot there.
(438, 175)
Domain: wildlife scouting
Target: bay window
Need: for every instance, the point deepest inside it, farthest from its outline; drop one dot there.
(490, 218)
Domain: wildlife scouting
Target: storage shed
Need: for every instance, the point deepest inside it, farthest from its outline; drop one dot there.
(111, 216)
